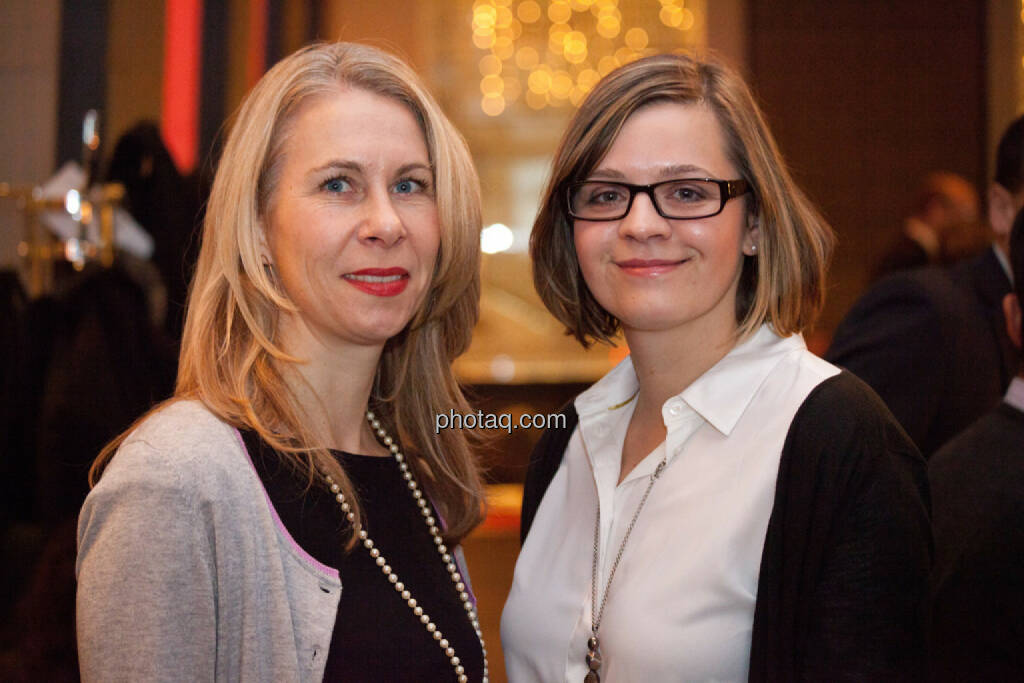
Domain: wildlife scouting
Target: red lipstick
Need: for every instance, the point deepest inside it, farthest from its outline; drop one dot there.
(379, 281)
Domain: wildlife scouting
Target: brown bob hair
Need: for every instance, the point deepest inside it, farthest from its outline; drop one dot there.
(784, 285)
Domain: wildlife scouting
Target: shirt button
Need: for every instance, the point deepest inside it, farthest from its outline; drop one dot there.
(675, 408)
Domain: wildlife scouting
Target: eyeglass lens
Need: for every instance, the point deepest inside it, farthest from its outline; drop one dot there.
(674, 198)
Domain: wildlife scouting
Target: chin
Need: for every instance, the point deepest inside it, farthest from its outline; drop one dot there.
(653, 318)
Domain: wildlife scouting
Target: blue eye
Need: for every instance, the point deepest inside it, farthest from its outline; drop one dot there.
(409, 186)
(337, 185)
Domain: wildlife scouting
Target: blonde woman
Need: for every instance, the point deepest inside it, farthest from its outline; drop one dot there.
(724, 505)
(289, 514)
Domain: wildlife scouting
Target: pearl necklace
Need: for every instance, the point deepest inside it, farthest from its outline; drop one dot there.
(446, 557)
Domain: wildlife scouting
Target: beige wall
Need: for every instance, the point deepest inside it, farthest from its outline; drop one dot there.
(1005, 71)
(383, 25)
(135, 58)
(28, 109)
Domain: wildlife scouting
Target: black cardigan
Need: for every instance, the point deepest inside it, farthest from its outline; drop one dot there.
(848, 546)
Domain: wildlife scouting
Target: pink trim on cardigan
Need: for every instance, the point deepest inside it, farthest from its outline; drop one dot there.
(331, 571)
(306, 557)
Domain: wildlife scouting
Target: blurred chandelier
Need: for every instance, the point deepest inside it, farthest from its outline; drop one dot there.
(560, 49)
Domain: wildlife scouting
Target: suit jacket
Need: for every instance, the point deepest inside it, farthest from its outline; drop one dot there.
(847, 549)
(904, 254)
(932, 343)
(976, 589)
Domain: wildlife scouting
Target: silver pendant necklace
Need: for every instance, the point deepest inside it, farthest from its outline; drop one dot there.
(594, 659)
(446, 557)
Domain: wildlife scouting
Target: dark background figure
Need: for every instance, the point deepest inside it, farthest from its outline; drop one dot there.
(108, 362)
(79, 364)
(941, 228)
(932, 342)
(13, 385)
(976, 589)
(100, 360)
(166, 204)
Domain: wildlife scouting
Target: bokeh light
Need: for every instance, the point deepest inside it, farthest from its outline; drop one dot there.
(552, 53)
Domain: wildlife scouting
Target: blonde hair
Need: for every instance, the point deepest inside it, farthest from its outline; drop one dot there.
(230, 359)
(783, 285)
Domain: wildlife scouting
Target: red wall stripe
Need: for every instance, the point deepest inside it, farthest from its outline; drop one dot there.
(182, 61)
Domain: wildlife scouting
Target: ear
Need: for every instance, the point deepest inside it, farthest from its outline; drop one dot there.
(266, 258)
(752, 240)
(1011, 310)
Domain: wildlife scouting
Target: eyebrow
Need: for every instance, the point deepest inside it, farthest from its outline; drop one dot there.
(348, 165)
(672, 171)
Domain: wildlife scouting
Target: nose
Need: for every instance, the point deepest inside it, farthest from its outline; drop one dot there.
(643, 222)
(381, 223)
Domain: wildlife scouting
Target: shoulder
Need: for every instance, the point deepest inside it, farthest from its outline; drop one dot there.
(845, 404)
(903, 306)
(844, 423)
(982, 273)
(843, 398)
(181, 425)
(995, 441)
(920, 296)
(921, 285)
(181, 444)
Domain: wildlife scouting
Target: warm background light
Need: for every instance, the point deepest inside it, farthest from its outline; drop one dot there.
(559, 48)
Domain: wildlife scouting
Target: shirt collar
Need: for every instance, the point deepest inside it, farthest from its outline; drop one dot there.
(1003, 261)
(722, 394)
(719, 396)
(1015, 394)
(611, 392)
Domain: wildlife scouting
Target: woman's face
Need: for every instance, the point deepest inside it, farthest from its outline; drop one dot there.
(655, 273)
(353, 229)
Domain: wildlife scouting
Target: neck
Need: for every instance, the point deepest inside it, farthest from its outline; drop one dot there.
(666, 363)
(332, 384)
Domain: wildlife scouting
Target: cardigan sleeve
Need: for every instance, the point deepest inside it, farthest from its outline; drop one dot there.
(848, 546)
(146, 607)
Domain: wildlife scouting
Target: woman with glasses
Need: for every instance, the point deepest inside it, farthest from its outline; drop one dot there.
(723, 505)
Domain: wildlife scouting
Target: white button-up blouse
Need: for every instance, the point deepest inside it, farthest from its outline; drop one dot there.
(681, 605)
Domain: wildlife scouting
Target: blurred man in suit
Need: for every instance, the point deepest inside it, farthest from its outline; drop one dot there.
(932, 341)
(944, 206)
(976, 590)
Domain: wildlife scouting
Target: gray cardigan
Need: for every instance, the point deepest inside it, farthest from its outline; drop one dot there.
(185, 572)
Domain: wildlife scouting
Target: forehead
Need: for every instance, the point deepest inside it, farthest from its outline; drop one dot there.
(357, 123)
(668, 138)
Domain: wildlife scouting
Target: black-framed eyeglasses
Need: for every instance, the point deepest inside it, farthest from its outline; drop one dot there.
(683, 198)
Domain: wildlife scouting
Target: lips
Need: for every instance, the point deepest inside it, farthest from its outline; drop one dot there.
(649, 267)
(379, 281)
